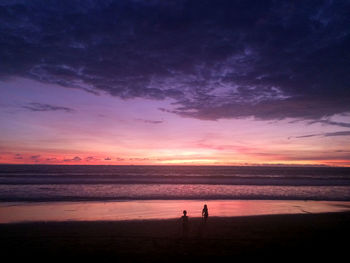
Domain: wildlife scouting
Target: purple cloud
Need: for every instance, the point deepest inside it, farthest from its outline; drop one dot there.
(18, 156)
(327, 134)
(75, 159)
(46, 107)
(226, 59)
(150, 121)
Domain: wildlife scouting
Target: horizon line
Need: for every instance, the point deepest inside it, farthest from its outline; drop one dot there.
(204, 165)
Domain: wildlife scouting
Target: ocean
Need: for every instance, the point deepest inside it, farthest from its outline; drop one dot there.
(47, 183)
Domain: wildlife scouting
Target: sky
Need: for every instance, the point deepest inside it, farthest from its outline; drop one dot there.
(175, 82)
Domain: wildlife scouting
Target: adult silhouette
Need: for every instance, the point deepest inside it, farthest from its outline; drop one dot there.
(205, 213)
(185, 226)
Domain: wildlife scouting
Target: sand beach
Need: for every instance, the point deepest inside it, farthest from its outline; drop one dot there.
(273, 237)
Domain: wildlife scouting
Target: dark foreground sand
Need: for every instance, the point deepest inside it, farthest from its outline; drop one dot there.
(277, 237)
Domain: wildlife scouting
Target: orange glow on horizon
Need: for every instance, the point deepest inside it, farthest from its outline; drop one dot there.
(180, 160)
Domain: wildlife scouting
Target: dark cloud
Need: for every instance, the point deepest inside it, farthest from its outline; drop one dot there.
(35, 158)
(91, 158)
(34, 106)
(150, 121)
(328, 122)
(18, 156)
(75, 159)
(327, 134)
(340, 133)
(307, 136)
(215, 59)
(108, 159)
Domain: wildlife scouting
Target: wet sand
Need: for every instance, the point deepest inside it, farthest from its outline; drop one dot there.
(12, 212)
(274, 237)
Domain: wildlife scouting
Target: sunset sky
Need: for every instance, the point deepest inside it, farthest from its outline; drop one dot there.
(175, 82)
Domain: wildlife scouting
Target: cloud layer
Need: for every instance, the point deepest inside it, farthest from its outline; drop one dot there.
(214, 59)
(35, 106)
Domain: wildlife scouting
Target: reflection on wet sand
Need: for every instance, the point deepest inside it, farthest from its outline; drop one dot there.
(158, 209)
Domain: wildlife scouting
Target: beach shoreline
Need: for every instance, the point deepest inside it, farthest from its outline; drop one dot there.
(265, 236)
(12, 212)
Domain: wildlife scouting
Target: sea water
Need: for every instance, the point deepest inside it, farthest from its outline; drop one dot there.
(61, 193)
(102, 183)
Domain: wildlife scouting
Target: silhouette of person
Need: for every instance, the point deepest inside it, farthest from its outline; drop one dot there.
(185, 226)
(205, 213)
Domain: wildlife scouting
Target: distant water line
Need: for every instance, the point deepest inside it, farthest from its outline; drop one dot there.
(170, 192)
(74, 183)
